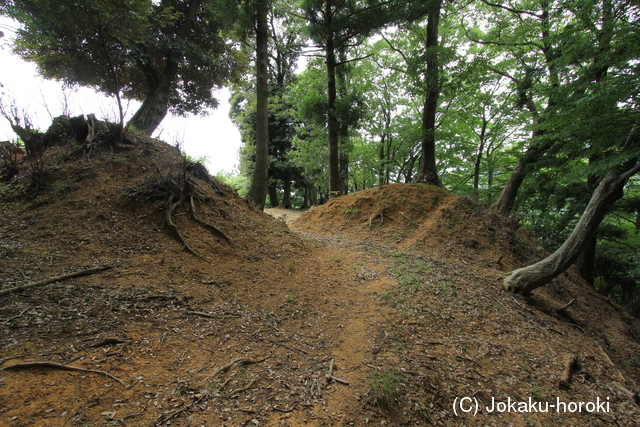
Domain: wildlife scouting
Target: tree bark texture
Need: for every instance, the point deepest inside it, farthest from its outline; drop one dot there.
(286, 198)
(526, 279)
(428, 172)
(507, 197)
(332, 121)
(586, 261)
(155, 106)
(258, 190)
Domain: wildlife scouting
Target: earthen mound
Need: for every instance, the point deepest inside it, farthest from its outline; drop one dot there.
(423, 218)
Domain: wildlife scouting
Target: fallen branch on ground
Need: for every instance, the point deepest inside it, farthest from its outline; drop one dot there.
(47, 364)
(243, 389)
(634, 396)
(79, 273)
(330, 376)
(229, 365)
(402, 213)
(200, 313)
(286, 346)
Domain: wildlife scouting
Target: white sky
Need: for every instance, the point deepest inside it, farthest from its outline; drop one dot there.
(214, 136)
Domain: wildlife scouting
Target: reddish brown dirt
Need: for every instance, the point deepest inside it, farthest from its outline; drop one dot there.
(400, 286)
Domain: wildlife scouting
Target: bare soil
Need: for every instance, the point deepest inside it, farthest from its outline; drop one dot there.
(398, 288)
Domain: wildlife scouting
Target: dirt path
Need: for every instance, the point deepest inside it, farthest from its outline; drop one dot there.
(168, 337)
(286, 215)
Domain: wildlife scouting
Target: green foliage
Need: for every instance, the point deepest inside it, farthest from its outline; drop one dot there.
(238, 182)
(113, 45)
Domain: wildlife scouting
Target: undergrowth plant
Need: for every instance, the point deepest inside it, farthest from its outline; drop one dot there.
(386, 388)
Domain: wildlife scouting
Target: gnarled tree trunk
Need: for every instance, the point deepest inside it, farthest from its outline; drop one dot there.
(526, 279)
(153, 110)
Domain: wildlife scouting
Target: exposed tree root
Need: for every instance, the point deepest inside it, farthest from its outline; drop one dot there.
(171, 207)
(210, 226)
(46, 364)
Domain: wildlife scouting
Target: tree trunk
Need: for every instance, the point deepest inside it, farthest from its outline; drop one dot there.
(383, 161)
(332, 122)
(273, 195)
(490, 170)
(286, 198)
(408, 175)
(344, 171)
(586, 261)
(507, 197)
(310, 196)
(258, 190)
(428, 172)
(343, 128)
(478, 162)
(526, 279)
(154, 107)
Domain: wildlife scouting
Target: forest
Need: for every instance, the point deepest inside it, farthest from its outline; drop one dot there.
(530, 107)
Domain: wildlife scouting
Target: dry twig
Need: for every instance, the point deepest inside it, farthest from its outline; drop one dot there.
(239, 361)
(79, 273)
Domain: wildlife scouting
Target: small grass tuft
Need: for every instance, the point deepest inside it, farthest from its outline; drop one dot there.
(386, 388)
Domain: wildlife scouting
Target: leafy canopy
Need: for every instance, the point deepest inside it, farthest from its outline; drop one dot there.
(142, 41)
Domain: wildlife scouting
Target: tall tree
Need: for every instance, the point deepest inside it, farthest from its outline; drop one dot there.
(428, 172)
(258, 190)
(333, 25)
(598, 87)
(169, 54)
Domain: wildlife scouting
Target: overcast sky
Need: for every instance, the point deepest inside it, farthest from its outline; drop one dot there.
(213, 136)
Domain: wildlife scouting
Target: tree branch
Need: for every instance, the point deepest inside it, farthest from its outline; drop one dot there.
(512, 10)
(353, 60)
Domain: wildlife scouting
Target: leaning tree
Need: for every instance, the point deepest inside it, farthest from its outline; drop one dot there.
(597, 119)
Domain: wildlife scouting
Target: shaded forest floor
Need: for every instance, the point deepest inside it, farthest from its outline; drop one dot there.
(378, 308)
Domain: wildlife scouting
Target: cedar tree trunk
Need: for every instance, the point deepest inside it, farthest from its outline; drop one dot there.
(332, 122)
(273, 195)
(258, 190)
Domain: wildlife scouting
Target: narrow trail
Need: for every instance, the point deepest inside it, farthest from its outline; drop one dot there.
(344, 281)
